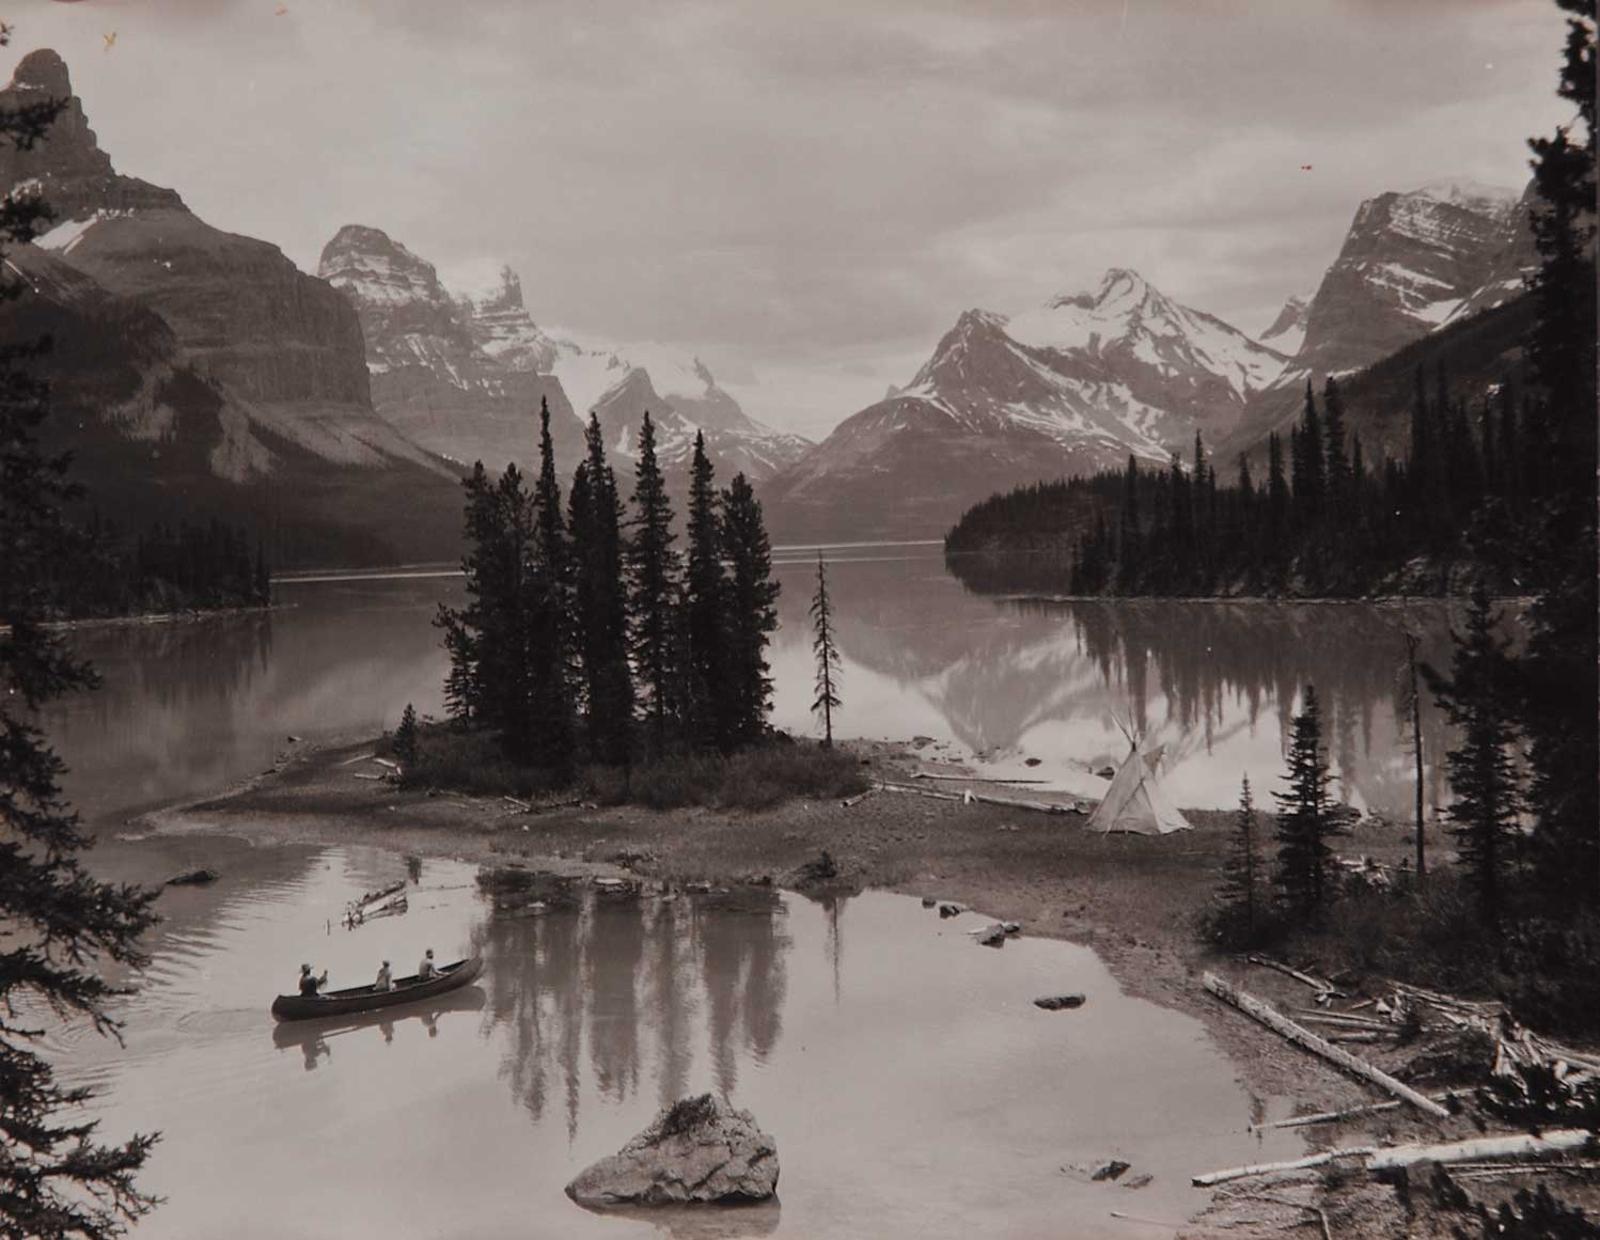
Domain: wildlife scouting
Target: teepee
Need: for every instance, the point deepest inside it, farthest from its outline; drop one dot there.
(1136, 801)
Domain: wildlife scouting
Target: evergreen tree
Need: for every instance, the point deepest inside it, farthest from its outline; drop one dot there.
(1277, 495)
(405, 737)
(826, 651)
(752, 610)
(600, 603)
(1308, 462)
(653, 591)
(707, 699)
(1478, 700)
(1337, 469)
(1241, 892)
(1130, 544)
(1560, 681)
(507, 654)
(548, 614)
(1304, 824)
(60, 922)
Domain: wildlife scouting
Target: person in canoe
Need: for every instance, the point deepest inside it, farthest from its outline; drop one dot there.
(385, 978)
(310, 983)
(427, 970)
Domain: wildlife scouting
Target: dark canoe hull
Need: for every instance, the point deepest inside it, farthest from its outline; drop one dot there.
(365, 999)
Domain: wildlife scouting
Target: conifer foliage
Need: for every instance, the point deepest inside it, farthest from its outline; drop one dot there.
(1242, 892)
(56, 1178)
(1305, 821)
(587, 640)
(1479, 700)
(826, 650)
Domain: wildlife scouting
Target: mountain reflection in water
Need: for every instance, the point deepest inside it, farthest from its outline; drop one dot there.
(188, 709)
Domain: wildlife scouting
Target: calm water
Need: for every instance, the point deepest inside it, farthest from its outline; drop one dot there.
(188, 709)
(912, 1087)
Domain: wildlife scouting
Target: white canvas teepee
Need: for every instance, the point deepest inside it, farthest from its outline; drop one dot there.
(1136, 801)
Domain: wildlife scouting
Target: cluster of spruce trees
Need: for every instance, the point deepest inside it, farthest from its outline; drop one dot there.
(1325, 520)
(118, 572)
(588, 636)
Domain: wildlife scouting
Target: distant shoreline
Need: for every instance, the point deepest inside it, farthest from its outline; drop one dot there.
(142, 619)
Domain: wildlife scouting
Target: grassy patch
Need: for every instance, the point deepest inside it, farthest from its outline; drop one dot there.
(471, 761)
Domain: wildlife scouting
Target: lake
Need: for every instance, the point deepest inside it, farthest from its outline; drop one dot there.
(190, 708)
(912, 1087)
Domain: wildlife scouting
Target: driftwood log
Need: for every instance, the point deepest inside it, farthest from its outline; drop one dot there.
(1379, 1158)
(1042, 807)
(1304, 1038)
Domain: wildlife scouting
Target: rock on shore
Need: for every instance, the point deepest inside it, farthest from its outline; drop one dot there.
(697, 1150)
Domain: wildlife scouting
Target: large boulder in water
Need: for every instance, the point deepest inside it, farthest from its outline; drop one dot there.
(697, 1150)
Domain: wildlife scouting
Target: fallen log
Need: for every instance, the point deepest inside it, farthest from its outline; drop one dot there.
(975, 779)
(1477, 1149)
(364, 775)
(1333, 1117)
(850, 802)
(967, 797)
(1381, 1158)
(1304, 1038)
(1316, 983)
(393, 766)
(1339, 1018)
(1272, 1168)
(524, 806)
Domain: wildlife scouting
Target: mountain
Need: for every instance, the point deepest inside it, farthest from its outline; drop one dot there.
(1288, 330)
(430, 373)
(1411, 265)
(1075, 386)
(463, 373)
(199, 371)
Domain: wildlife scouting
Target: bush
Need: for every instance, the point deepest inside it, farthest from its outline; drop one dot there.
(761, 778)
(469, 761)
(1554, 975)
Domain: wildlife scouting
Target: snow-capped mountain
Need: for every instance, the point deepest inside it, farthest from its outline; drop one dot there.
(463, 372)
(1410, 264)
(1072, 387)
(200, 372)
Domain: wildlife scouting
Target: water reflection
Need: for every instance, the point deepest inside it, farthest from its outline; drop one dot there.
(626, 978)
(1216, 683)
(188, 709)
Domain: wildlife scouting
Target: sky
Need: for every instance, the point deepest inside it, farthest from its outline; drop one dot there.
(807, 193)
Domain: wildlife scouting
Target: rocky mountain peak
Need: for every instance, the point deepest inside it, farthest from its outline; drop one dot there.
(367, 265)
(1288, 330)
(43, 70)
(67, 167)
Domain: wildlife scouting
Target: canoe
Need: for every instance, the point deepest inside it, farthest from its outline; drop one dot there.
(312, 1036)
(367, 999)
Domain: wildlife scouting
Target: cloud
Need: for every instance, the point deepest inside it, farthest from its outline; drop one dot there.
(813, 191)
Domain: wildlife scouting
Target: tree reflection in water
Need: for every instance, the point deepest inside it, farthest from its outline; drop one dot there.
(654, 986)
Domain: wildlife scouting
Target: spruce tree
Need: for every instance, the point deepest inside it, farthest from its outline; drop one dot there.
(600, 603)
(60, 922)
(752, 609)
(826, 651)
(1304, 822)
(1277, 496)
(1337, 469)
(708, 705)
(653, 591)
(1478, 700)
(1309, 463)
(507, 653)
(1560, 669)
(1241, 892)
(405, 738)
(548, 614)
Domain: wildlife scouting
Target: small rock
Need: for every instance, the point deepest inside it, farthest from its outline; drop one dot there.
(1030, 762)
(990, 936)
(1012, 928)
(1106, 772)
(1138, 1181)
(697, 1150)
(1111, 1171)
(1058, 1003)
(193, 878)
(293, 739)
(949, 910)
(921, 742)
(929, 902)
